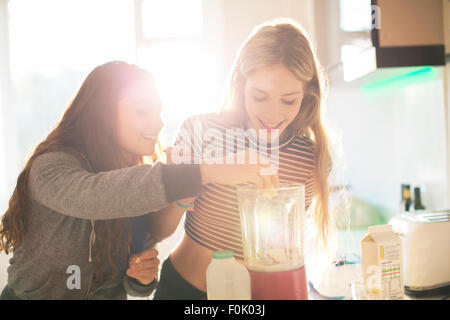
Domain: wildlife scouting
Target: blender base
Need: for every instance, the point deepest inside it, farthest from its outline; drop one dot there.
(287, 285)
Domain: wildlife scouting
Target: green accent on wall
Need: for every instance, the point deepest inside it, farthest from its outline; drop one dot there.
(403, 78)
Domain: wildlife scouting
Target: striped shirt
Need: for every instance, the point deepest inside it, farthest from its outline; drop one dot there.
(214, 222)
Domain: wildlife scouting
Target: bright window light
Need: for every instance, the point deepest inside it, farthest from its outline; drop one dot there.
(172, 18)
(355, 15)
(50, 36)
(187, 78)
(54, 44)
(357, 62)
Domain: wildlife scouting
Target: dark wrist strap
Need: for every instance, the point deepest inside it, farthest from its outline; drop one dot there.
(181, 181)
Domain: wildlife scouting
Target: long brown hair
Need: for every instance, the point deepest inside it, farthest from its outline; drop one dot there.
(88, 131)
(284, 41)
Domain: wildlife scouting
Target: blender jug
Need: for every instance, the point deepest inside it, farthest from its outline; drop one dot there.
(272, 238)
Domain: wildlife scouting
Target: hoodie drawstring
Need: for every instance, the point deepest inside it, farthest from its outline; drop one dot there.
(91, 240)
(92, 237)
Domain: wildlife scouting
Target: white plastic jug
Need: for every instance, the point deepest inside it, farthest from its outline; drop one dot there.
(227, 279)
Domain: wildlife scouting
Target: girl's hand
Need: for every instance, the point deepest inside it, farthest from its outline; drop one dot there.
(144, 266)
(169, 153)
(253, 169)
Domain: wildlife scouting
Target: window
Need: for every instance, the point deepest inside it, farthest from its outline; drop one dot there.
(171, 18)
(355, 15)
(4, 123)
(173, 44)
(54, 44)
(356, 19)
(51, 36)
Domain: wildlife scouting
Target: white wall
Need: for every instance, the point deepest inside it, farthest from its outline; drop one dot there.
(446, 13)
(393, 134)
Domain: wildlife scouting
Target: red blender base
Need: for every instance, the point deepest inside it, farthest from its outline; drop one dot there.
(287, 285)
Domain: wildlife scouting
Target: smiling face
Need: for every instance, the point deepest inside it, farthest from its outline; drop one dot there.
(273, 96)
(139, 119)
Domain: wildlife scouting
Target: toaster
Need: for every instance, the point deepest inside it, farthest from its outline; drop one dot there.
(425, 240)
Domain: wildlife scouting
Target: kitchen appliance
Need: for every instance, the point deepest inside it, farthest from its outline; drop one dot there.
(425, 240)
(272, 236)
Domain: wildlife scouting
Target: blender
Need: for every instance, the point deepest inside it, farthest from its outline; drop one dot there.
(272, 238)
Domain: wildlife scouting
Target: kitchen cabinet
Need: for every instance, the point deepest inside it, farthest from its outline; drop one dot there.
(411, 33)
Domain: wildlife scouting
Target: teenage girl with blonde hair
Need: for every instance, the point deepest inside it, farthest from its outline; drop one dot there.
(276, 83)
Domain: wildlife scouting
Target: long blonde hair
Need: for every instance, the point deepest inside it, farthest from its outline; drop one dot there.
(284, 41)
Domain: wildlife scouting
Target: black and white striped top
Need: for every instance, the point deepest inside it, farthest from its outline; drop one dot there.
(215, 220)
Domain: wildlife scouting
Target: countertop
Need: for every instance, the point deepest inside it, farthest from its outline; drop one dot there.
(314, 295)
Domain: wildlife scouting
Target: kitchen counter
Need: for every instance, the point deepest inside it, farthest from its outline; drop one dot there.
(314, 295)
(349, 243)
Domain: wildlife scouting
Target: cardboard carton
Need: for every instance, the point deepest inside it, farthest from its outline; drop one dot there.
(381, 259)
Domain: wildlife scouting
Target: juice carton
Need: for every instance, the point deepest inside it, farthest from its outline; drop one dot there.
(381, 257)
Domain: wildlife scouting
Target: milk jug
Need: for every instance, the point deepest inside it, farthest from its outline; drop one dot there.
(227, 279)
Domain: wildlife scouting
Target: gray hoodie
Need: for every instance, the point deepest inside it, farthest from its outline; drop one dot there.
(66, 199)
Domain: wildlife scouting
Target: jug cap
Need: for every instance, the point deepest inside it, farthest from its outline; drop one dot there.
(225, 254)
